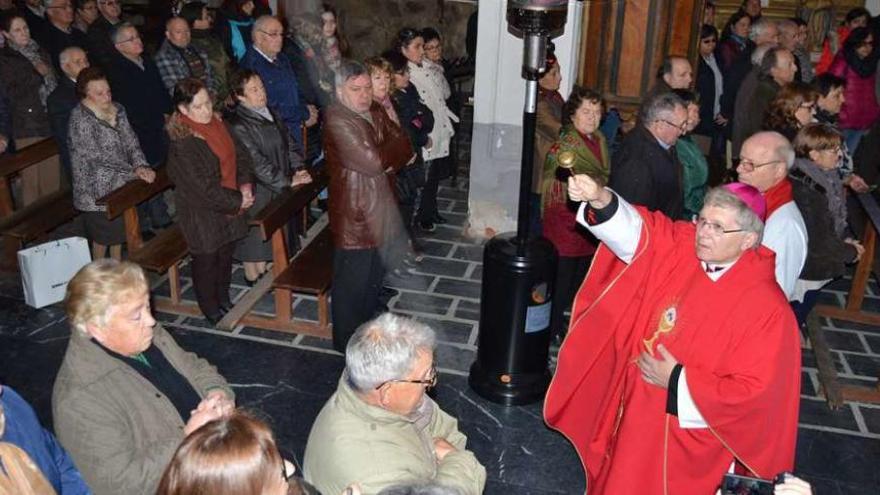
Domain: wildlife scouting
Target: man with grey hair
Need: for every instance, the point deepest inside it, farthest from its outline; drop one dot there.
(645, 170)
(764, 31)
(380, 429)
(764, 164)
(178, 59)
(363, 149)
(776, 69)
(58, 32)
(63, 100)
(682, 348)
(137, 86)
(265, 58)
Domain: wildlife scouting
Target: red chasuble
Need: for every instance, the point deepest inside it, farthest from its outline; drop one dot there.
(736, 338)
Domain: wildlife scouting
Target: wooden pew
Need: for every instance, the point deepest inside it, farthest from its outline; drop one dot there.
(160, 254)
(310, 272)
(837, 393)
(31, 223)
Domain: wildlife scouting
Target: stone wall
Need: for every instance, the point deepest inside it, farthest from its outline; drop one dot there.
(371, 25)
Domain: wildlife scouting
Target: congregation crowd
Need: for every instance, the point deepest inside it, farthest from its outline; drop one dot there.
(239, 105)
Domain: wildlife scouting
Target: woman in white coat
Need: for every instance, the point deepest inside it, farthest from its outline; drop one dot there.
(434, 90)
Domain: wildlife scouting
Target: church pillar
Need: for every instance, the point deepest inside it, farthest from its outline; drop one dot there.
(499, 93)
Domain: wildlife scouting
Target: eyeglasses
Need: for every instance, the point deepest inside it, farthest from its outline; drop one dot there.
(128, 40)
(835, 150)
(681, 127)
(272, 35)
(750, 166)
(108, 3)
(429, 382)
(808, 106)
(714, 228)
(66, 6)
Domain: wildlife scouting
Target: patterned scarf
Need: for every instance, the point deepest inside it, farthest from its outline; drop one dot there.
(31, 51)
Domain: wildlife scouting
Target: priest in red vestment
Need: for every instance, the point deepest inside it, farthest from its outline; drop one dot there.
(682, 360)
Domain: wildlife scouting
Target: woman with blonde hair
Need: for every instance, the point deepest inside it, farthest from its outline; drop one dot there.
(127, 394)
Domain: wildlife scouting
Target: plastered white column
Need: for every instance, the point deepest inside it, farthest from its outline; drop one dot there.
(499, 92)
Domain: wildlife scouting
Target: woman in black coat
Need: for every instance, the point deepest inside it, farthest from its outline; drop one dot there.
(710, 87)
(276, 164)
(417, 121)
(212, 174)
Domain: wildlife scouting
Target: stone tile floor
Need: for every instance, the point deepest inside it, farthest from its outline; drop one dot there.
(286, 378)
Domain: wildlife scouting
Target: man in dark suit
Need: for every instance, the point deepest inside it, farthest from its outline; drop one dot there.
(58, 33)
(99, 34)
(60, 103)
(137, 86)
(645, 170)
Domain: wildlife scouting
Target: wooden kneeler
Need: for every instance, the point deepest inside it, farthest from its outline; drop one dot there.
(160, 254)
(837, 393)
(309, 272)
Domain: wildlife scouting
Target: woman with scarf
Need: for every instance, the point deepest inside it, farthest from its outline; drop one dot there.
(212, 174)
(276, 164)
(857, 65)
(549, 121)
(234, 24)
(26, 74)
(399, 251)
(582, 148)
(819, 194)
(104, 155)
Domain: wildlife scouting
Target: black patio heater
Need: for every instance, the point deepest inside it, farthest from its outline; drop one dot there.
(518, 272)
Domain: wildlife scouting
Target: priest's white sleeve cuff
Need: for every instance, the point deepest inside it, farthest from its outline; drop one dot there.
(620, 233)
(688, 414)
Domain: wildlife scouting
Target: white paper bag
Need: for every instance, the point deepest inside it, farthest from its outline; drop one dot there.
(46, 269)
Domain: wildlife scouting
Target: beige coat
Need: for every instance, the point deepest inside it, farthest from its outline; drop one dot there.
(119, 430)
(354, 442)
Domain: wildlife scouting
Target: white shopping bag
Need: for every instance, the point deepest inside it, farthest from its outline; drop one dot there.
(46, 269)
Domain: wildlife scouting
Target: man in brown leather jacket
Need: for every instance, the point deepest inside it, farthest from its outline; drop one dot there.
(364, 149)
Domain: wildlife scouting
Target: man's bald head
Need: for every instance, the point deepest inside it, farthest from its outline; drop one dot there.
(268, 35)
(177, 32)
(765, 159)
(72, 61)
(677, 72)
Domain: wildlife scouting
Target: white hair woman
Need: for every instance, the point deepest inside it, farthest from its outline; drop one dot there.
(126, 393)
(380, 428)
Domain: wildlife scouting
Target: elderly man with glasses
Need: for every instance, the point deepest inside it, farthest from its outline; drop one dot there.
(645, 170)
(380, 429)
(58, 32)
(683, 358)
(265, 58)
(765, 160)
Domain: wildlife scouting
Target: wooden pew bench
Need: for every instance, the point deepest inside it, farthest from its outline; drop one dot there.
(310, 272)
(33, 222)
(160, 254)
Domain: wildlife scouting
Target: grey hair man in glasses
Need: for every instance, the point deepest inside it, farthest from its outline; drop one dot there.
(645, 170)
(683, 356)
(380, 429)
(765, 160)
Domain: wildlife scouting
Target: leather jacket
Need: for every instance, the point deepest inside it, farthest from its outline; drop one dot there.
(362, 158)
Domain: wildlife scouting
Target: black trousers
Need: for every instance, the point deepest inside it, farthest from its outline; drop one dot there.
(570, 273)
(428, 201)
(212, 274)
(357, 279)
